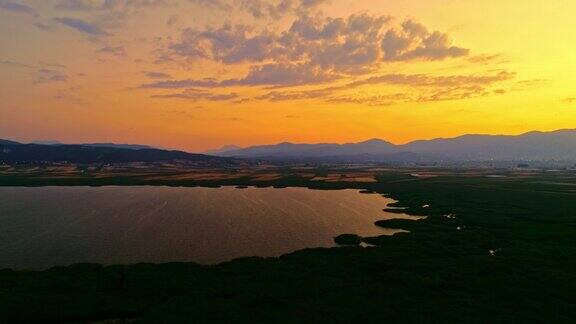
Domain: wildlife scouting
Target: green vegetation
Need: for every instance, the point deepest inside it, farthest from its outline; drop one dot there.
(348, 239)
(490, 250)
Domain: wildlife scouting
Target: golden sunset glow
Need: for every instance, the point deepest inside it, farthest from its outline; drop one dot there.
(194, 74)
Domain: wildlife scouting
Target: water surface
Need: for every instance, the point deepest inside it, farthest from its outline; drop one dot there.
(48, 226)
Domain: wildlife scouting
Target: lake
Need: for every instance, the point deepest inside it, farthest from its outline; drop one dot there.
(47, 226)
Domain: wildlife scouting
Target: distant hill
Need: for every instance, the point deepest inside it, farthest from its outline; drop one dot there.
(290, 150)
(113, 145)
(123, 146)
(223, 149)
(47, 142)
(90, 154)
(8, 142)
(533, 146)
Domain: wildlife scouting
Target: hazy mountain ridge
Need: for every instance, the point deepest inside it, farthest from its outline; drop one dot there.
(91, 154)
(532, 146)
(110, 145)
(122, 146)
(223, 149)
(8, 142)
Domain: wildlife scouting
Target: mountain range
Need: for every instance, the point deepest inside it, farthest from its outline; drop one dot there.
(112, 145)
(11, 152)
(533, 146)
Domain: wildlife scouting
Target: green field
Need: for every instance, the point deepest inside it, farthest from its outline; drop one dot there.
(491, 250)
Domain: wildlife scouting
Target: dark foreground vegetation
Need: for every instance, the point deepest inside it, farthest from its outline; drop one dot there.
(491, 250)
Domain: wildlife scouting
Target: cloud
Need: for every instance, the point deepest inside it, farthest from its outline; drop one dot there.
(97, 5)
(197, 95)
(45, 27)
(298, 95)
(105, 14)
(18, 8)
(81, 26)
(285, 74)
(486, 59)
(273, 75)
(119, 51)
(157, 75)
(15, 64)
(172, 20)
(214, 4)
(267, 9)
(419, 80)
(263, 9)
(426, 88)
(70, 95)
(180, 84)
(325, 49)
(415, 41)
(431, 95)
(45, 75)
(374, 100)
(293, 75)
(81, 5)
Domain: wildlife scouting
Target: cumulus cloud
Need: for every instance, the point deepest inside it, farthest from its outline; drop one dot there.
(81, 26)
(312, 50)
(330, 43)
(415, 41)
(18, 8)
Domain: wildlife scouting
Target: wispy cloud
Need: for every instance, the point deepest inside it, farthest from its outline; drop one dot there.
(426, 88)
(15, 64)
(99, 5)
(198, 95)
(81, 26)
(423, 80)
(45, 75)
(277, 75)
(119, 51)
(157, 75)
(18, 8)
(263, 9)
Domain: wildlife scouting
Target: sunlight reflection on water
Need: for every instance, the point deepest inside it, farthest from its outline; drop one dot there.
(47, 226)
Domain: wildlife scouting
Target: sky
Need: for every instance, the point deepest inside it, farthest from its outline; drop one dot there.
(200, 74)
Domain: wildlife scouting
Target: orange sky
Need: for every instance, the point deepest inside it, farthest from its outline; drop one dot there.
(199, 74)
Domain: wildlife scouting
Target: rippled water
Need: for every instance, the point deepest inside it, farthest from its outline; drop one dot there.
(47, 226)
